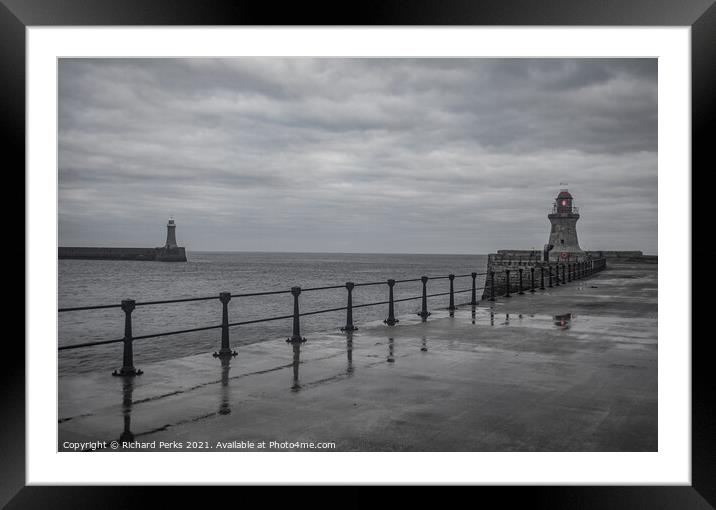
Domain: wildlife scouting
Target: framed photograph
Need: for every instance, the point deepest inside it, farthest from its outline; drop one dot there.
(439, 247)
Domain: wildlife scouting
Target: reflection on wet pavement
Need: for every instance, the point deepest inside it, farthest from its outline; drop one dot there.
(296, 361)
(127, 391)
(562, 320)
(225, 367)
(349, 352)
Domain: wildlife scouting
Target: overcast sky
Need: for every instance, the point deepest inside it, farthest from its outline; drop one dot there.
(356, 155)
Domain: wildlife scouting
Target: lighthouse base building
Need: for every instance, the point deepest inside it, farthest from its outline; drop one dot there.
(563, 244)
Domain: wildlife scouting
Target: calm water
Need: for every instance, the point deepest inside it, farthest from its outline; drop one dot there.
(90, 282)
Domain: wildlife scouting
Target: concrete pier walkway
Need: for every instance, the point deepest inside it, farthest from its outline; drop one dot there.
(506, 377)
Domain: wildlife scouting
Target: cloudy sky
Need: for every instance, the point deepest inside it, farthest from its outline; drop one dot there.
(356, 155)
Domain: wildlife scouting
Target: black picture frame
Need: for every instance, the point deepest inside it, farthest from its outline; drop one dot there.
(16, 15)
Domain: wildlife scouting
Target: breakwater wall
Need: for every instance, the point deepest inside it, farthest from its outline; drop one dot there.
(163, 254)
(624, 256)
(519, 271)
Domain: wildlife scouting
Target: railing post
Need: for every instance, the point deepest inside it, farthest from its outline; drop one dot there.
(564, 280)
(349, 309)
(521, 291)
(451, 307)
(128, 369)
(492, 285)
(507, 282)
(296, 337)
(541, 277)
(391, 320)
(556, 276)
(532, 279)
(569, 272)
(225, 350)
(580, 265)
(473, 302)
(424, 309)
(550, 275)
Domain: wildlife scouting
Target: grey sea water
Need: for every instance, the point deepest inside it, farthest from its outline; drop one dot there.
(95, 282)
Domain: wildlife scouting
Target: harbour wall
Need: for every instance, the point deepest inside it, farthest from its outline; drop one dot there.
(528, 260)
(162, 254)
(625, 256)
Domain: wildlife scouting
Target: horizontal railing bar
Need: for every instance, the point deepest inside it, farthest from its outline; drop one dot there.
(181, 300)
(369, 283)
(267, 293)
(179, 332)
(89, 344)
(267, 319)
(77, 308)
(323, 288)
(410, 280)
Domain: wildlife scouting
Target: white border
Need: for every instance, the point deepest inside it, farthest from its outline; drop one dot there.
(671, 465)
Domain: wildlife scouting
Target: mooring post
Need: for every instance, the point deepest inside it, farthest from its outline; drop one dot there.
(451, 307)
(225, 351)
(473, 302)
(391, 320)
(521, 291)
(127, 369)
(296, 337)
(349, 309)
(507, 283)
(550, 275)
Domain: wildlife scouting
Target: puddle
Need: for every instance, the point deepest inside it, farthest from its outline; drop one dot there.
(562, 321)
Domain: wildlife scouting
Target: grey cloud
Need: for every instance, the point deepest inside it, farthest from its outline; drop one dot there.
(368, 155)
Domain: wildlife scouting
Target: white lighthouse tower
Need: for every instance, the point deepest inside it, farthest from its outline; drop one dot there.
(563, 244)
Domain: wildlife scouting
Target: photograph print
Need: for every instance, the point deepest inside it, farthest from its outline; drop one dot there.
(357, 254)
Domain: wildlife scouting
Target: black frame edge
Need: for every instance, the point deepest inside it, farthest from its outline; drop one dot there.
(701, 14)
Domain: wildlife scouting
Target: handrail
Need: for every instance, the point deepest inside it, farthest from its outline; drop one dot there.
(570, 271)
(251, 294)
(254, 321)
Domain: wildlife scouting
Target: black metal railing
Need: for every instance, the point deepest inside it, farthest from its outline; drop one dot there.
(581, 270)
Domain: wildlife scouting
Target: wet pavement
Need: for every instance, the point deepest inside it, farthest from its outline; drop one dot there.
(572, 368)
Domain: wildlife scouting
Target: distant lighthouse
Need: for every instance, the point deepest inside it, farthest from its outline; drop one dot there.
(171, 252)
(563, 244)
(171, 234)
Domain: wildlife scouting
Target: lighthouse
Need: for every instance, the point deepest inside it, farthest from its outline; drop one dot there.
(563, 245)
(171, 235)
(171, 252)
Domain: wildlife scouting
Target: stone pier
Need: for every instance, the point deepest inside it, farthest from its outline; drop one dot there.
(571, 368)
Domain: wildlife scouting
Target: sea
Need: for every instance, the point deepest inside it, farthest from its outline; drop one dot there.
(102, 282)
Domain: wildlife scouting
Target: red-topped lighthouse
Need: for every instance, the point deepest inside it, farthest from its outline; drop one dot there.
(563, 244)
